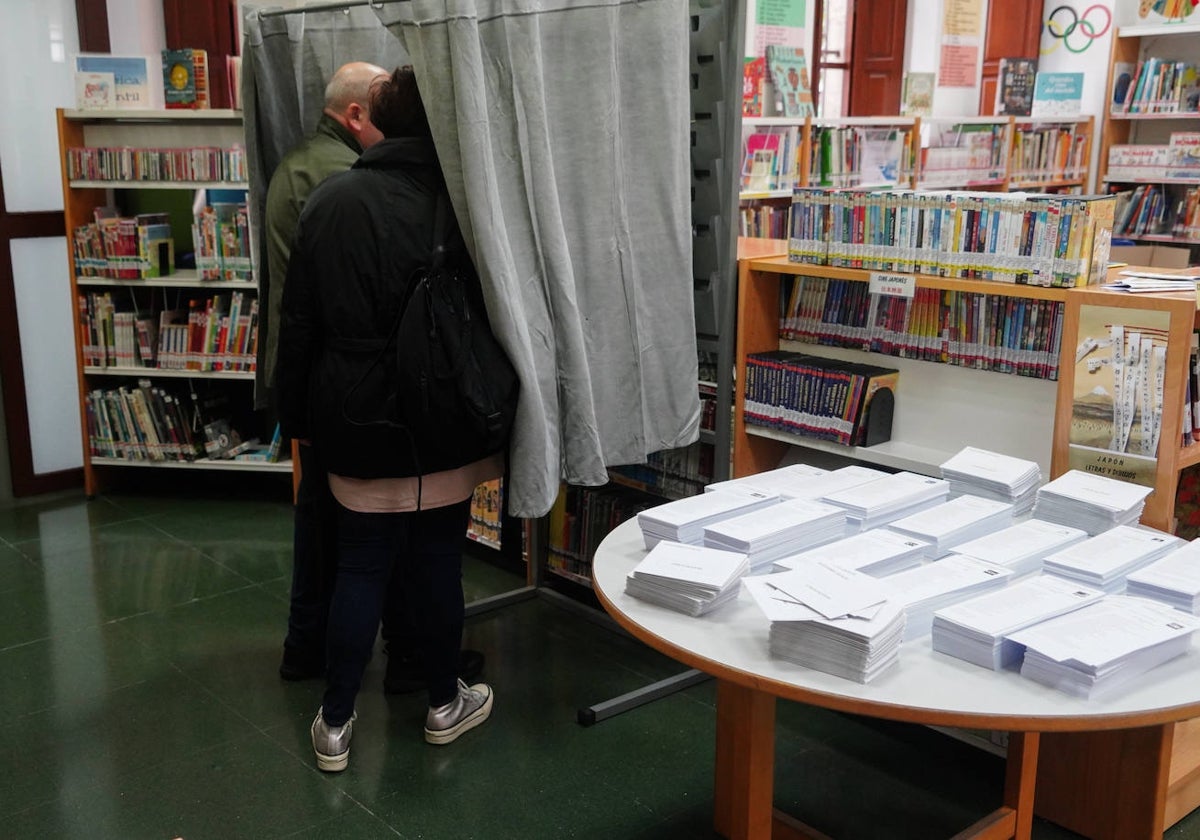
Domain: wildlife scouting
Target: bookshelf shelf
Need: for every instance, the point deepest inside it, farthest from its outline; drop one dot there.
(156, 115)
(780, 265)
(582, 580)
(1189, 456)
(1177, 115)
(1164, 238)
(199, 464)
(1018, 186)
(168, 373)
(158, 185)
(894, 454)
(1191, 182)
(178, 280)
(1155, 30)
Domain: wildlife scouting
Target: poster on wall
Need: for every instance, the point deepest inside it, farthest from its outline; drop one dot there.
(779, 23)
(1117, 400)
(962, 32)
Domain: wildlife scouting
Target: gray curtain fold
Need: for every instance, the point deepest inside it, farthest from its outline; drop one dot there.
(286, 62)
(563, 131)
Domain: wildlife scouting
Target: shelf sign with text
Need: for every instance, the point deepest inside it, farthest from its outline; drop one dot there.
(896, 285)
(1117, 394)
(1135, 469)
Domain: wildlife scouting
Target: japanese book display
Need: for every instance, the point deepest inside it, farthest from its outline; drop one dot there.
(164, 290)
(1150, 143)
(780, 155)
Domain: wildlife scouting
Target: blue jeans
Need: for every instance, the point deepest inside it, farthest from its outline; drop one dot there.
(423, 549)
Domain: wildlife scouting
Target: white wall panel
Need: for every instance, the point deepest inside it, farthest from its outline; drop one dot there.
(44, 308)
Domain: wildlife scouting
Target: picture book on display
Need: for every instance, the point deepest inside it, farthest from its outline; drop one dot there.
(754, 72)
(1015, 86)
(789, 75)
(1058, 95)
(126, 78)
(917, 97)
(185, 78)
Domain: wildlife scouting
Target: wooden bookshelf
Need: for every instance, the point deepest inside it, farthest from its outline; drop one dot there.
(158, 129)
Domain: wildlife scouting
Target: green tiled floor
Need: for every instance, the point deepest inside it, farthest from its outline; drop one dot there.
(139, 640)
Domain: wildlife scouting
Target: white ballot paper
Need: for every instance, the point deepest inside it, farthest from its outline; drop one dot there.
(1094, 650)
(1023, 546)
(1174, 580)
(976, 629)
(828, 589)
(785, 482)
(876, 553)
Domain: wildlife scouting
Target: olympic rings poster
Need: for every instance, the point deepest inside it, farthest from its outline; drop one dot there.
(1074, 31)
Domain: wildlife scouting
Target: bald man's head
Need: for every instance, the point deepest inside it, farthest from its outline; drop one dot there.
(347, 96)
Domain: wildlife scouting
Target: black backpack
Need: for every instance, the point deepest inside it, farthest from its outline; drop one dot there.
(455, 391)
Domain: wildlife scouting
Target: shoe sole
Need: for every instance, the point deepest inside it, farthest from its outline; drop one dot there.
(445, 736)
(332, 763)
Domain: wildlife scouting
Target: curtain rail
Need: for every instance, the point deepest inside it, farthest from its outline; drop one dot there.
(346, 5)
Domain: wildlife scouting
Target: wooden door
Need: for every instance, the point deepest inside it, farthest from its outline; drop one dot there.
(1014, 29)
(877, 63)
(211, 26)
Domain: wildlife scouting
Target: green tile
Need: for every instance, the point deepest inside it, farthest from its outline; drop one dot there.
(231, 645)
(356, 825)
(17, 572)
(57, 520)
(87, 744)
(217, 520)
(112, 579)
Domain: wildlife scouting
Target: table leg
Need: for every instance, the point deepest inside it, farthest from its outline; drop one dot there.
(1020, 779)
(745, 762)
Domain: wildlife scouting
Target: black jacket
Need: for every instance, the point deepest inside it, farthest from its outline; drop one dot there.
(360, 238)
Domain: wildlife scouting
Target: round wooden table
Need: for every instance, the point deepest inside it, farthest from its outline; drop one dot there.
(924, 687)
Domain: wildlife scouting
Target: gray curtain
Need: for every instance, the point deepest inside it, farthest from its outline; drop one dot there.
(286, 62)
(563, 130)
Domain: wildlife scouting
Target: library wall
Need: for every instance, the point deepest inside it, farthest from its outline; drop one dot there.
(135, 27)
(923, 53)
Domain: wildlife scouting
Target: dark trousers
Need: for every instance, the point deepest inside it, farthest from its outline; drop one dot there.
(314, 569)
(314, 561)
(423, 549)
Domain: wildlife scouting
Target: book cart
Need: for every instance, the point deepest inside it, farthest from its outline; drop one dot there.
(167, 134)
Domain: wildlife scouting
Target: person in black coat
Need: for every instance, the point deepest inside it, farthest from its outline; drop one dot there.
(359, 241)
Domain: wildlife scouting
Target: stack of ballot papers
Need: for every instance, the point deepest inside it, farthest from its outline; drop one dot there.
(801, 481)
(690, 579)
(994, 476)
(1174, 580)
(956, 521)
(684, 520)
(976, 630)
(833, 620)
(1096, 650)
(772, 482)
(767, 534)
(1104, 560)
(875, 553)
(887, 499)
(1091, 502)
(1021, 548)
(1140, 280)
(926, 589)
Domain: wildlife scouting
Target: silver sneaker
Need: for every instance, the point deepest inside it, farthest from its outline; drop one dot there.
(466, 711)
(332, 743)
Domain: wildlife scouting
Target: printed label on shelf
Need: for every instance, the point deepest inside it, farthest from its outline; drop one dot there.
(896, 285)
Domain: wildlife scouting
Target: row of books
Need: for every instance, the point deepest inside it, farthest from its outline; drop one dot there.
(1178, 158)
(770, 159)
(968, 329)
(1156, 86)
(1040, 240)
(219, 333)
(964, 153)
(147, 422)
(197, 163)
(221, 238)
(580, 518)
(125, 247)
(672, 472)
(1048, 154)
(1190, 430)
(813, 396)
(765, 221)
(853, 156)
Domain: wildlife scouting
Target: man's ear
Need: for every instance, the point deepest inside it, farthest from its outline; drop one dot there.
(356, 116)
